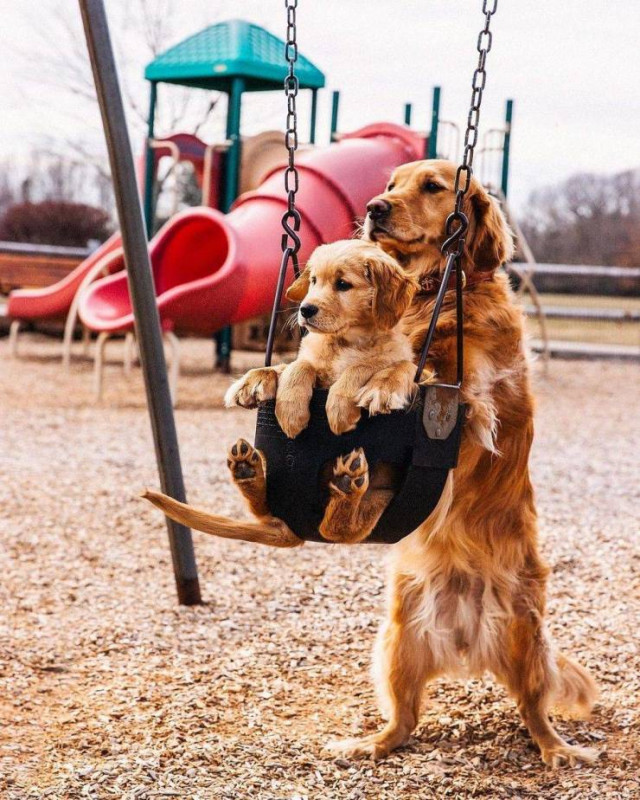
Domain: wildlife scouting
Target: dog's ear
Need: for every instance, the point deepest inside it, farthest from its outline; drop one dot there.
(393, 290)
(299, 288)
(490, 241)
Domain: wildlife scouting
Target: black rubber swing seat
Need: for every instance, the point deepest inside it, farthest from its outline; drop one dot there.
(424, 440)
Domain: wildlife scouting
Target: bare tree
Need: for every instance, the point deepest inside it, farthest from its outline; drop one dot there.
(142, 29)
(588, 219)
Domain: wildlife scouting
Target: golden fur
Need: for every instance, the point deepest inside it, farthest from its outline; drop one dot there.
(358, 295)
(467, 589)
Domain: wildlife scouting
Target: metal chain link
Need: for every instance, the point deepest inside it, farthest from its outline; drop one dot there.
(454, 242)
(291, 218)
(457, 222)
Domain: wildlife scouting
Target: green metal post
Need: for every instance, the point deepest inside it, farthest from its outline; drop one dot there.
(335, 105)
(232, 170)
(314, 115)
(407, 114)
(149, 171)
(432, 150)
(223, 338)
(504, 184)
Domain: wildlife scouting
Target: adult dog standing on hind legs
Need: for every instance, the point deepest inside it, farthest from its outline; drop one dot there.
(467, 590)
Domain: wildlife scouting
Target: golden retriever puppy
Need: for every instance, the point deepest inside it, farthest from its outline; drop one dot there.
(352, 296)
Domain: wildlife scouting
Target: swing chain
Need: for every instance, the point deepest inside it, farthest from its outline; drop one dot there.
(458, 222)
(454, 243)
(291, 218)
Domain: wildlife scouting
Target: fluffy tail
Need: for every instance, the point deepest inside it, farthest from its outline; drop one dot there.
(272, 531)
(577, 691)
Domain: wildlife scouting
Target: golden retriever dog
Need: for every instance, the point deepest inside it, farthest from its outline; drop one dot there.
(467, 589)
(352, 296)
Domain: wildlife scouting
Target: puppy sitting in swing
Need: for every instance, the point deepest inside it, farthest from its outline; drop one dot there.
(352, 296)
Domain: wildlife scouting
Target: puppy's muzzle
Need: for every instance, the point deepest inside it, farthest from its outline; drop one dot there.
(308, 310)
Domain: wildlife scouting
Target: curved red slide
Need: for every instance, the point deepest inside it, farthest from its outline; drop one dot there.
(53, 302)
(211, 269)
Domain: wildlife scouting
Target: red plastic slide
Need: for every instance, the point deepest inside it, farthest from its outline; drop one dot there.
(211, 270)
(53, 302)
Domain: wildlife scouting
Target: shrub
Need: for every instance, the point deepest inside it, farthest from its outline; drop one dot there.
(56, 222)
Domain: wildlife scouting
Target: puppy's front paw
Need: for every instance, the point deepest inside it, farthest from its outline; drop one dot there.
(253, 388)
(378, 398)
(293, 415)
(342, 413)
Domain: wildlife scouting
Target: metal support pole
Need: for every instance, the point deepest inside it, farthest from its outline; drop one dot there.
(149, 162)
(232, 161)
(314, 116)
(432, 151)
(142, 291)
(407, 113)
(335, 105)
(504, 183)
(223, 338)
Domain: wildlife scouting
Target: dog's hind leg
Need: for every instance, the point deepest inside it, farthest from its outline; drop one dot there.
(403, 663)
(535, 678)
(353, 509)
(249, 473)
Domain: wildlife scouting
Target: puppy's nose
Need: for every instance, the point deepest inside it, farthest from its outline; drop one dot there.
(308, 311)
(379, 209)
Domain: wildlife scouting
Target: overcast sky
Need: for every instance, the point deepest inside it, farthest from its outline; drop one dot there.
(572, 67)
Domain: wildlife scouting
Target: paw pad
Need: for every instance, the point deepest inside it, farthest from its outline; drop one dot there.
(243, 460)
(351, 473)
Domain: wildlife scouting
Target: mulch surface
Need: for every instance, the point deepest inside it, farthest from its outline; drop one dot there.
(108, 689)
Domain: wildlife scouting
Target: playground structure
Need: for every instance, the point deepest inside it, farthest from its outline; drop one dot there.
(210, 271)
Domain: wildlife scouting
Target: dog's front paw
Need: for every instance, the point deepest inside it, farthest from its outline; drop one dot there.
(378, 398)
(293, 415)
(253, 388)
(343, 413)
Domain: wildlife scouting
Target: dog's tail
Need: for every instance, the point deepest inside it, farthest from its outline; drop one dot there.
(270, 531)
(576, 691)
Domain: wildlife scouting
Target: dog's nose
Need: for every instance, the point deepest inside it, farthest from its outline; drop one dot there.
(308, 311)
(379, 209)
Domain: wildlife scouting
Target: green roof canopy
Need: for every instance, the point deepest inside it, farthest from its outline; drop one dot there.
(211, 59)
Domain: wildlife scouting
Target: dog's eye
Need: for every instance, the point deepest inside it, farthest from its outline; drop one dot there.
(391, 187)
(313, 281)
(431, 187)
(343, 286)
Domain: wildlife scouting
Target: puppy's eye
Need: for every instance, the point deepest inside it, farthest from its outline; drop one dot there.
(343, 286)
(313, 281)
(431, 187)
(391, 187)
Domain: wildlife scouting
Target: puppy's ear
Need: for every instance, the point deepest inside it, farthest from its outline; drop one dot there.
(393, 290)
(299, 288)
(490, 241)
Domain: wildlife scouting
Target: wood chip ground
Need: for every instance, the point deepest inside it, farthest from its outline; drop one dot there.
(110, 690)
